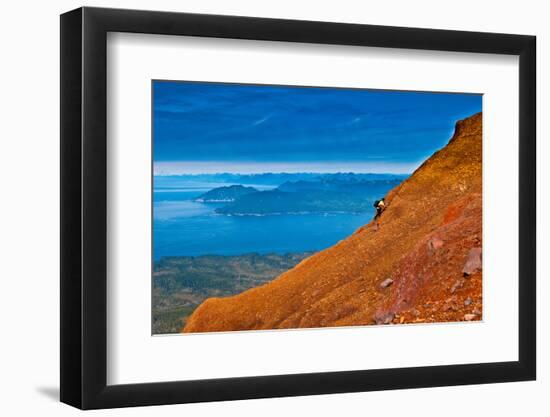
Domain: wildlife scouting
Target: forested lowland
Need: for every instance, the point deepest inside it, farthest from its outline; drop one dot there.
(181, 283)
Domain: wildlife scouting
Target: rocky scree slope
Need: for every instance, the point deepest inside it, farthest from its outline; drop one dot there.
(419, 262)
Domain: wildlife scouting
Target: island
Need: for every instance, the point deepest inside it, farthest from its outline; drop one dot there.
(322, 195)
(225, 194)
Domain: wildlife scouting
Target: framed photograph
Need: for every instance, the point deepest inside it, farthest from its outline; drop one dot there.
(257, 208)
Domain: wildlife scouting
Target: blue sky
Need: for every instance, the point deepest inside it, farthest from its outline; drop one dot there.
(214, 127)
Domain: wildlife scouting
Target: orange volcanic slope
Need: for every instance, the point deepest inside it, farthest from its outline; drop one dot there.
(423, 242)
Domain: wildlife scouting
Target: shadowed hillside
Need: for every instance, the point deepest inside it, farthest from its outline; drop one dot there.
(420, 262)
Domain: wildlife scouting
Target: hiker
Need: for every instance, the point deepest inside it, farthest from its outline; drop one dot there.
(380, 206)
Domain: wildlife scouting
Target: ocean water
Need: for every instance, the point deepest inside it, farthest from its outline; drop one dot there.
(183, 227)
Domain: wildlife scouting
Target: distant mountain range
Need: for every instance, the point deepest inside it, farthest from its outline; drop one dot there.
(322, 193)
(273, 179)
(341, 184)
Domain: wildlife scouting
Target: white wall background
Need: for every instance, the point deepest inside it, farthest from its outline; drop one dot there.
(29, 225)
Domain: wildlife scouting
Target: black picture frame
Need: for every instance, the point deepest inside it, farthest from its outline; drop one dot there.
(84, 207)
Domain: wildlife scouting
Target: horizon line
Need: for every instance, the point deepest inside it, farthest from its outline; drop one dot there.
(173, 168)
(278, 173)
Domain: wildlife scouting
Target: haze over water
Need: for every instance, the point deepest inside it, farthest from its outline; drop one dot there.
(184, 227)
